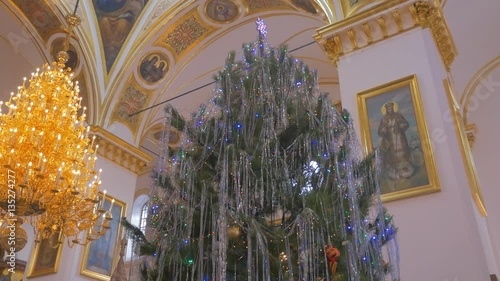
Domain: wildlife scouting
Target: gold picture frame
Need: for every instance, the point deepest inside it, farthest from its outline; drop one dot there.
(46, 256)
(393, 123)
(101, 256)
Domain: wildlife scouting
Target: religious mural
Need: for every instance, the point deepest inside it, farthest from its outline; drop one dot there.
(221, 10)
(153, 67)
(116, 19)
(41, 17)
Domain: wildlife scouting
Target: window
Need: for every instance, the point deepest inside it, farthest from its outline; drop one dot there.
(139, 218)
(144, 217)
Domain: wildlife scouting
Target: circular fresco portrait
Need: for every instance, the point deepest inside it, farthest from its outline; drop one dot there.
(153, 67)
(173, 140)
(305, 5)
(221, 10)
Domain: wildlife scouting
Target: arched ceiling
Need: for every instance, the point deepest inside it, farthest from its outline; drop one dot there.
(133, 54)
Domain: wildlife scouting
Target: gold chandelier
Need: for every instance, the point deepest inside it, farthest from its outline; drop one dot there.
(47, 159)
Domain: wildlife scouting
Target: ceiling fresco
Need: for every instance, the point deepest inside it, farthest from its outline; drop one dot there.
(223, 11)
(151, 45)
(41, 16)
(186, 33)
(116, 18)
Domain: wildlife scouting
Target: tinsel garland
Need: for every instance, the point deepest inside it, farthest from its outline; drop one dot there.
(269, 179)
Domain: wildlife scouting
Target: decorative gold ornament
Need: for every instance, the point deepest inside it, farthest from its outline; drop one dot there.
(13, 237)
(47, 160)
(233, 232)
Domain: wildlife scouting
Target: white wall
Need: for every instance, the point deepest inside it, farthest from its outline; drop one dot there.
(18, 53)
(474, 26)
(438, 233)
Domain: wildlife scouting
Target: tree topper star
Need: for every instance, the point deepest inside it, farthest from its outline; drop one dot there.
(261, 27)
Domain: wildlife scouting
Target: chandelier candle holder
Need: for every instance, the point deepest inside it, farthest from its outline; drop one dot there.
(47, 160)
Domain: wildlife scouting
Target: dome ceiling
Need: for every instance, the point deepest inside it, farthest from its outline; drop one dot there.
(129, 55)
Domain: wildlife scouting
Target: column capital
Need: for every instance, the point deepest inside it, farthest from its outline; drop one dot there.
(384, 21)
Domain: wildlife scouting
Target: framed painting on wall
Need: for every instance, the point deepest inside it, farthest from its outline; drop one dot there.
(100, 256)
(46, 256)
(393, 124)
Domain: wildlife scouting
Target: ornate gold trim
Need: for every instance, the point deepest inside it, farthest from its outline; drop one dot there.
(432, 17)
(470, 89)
(371, 25)
(384, 21)
(467, 158)
(331, 28)
(161, 41)
(119, 151)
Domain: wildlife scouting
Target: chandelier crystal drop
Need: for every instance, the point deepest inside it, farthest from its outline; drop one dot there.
(47, 159)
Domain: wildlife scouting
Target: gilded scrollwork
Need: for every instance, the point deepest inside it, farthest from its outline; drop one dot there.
(385, 21)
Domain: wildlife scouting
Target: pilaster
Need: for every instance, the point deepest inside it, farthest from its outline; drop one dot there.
(373, 50)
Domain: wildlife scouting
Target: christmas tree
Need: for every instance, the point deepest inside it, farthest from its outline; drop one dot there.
(269, 184)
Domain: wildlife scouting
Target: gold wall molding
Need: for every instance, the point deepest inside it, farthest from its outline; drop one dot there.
(465, 149)
(385, 21)
(119, 151)
(471, 131)
(471, 88)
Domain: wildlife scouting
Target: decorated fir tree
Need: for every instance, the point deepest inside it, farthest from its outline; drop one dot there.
(269, 184)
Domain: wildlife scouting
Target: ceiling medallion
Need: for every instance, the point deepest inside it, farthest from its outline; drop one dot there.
(222, 11)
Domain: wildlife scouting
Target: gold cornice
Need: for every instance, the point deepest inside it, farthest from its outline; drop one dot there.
(432, 17)
(119, 151)
(359, 17)
(384, 21)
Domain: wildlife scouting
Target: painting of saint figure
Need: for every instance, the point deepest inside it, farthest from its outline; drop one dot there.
(393, 125)
(153, 67)
(116, 19)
